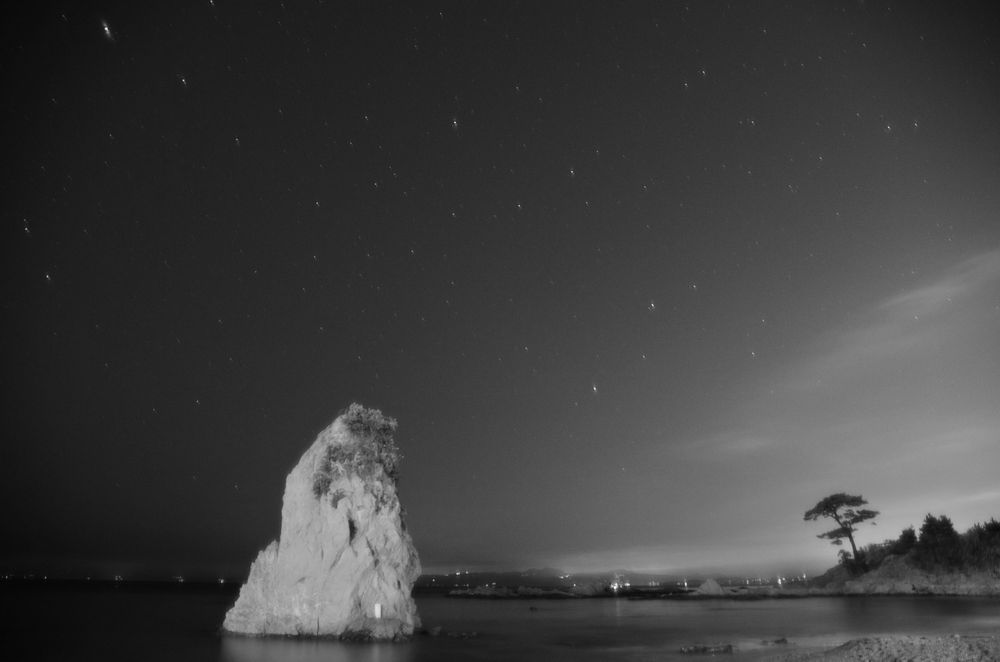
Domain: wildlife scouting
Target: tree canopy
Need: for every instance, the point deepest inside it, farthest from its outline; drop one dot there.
(846, 511)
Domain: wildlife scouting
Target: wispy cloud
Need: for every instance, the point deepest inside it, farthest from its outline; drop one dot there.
(911, 328)
(729, 443)
(990, 496)
(900, 403)
(929, 354)
(966, 279)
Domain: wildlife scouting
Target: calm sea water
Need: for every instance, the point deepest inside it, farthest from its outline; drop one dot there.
(126, 622)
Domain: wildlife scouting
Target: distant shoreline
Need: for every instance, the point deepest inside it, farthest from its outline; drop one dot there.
(765, 593)
(700, 598)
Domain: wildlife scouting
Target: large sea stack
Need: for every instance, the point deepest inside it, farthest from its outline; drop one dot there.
(344, 565)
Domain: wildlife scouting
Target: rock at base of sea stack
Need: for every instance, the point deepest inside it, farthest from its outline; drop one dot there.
(344, 565)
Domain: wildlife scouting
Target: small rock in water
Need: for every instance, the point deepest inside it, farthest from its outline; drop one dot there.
(716, 649)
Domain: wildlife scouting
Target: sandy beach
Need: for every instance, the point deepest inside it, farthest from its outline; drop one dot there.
(966, 648)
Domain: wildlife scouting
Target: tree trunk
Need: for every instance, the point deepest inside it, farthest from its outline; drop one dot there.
(853, 548)
(850, 537)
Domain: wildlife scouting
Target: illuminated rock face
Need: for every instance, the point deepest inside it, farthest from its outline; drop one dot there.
(344, 565)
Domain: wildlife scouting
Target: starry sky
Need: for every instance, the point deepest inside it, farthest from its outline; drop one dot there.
(641, 282)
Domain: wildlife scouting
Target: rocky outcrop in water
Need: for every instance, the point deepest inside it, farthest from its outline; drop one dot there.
(896, 575)
(710, 587)
(344, 565)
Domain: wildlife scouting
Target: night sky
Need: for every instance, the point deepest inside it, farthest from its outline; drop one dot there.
(641, 282)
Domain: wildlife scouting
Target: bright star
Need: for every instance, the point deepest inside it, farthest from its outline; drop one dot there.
(108, 34)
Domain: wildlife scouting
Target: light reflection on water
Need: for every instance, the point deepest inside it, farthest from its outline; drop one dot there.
(255, 649)
(639, 630)
(155, 623)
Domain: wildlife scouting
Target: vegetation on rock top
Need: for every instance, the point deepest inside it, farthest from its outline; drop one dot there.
(938, 548)
(372, 449)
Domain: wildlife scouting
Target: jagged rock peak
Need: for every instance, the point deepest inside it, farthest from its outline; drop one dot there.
(344, 565)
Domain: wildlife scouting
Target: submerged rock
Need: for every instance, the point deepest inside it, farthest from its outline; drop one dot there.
(715, 649)
(344, 565)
